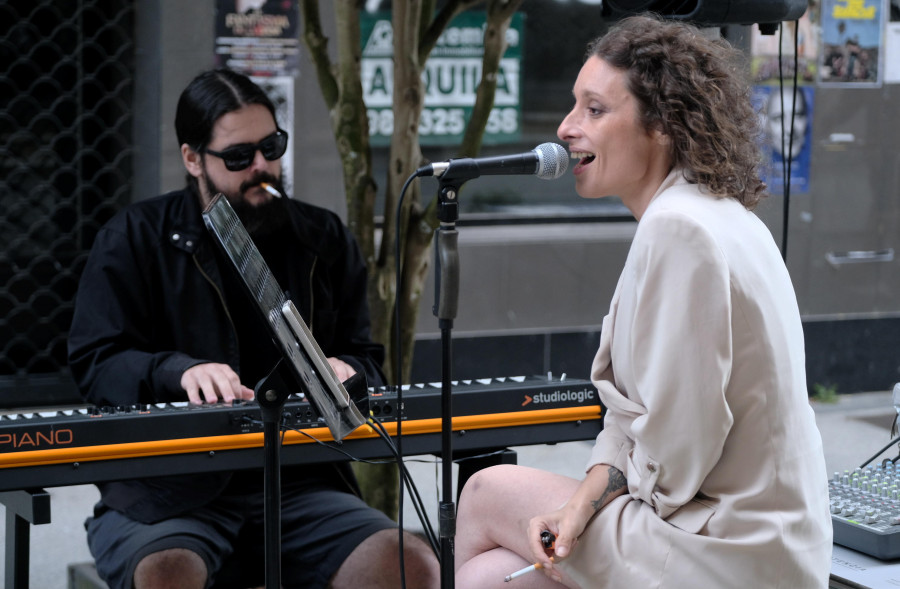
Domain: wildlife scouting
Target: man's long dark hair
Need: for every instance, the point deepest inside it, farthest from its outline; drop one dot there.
(208, 97)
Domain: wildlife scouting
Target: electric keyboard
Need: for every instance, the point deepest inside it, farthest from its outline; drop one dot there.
(865, 510)
(96, 444)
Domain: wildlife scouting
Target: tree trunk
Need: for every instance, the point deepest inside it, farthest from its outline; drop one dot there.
(408, 232)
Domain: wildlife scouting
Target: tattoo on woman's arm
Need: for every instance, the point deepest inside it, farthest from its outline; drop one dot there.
(616, 483)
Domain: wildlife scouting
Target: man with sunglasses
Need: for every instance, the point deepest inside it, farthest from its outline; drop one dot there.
(160, 316)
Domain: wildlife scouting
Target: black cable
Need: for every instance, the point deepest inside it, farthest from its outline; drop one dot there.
(889, 444)
(398, 367)
(406, 476)
(785, 163)
(378, 426)
(418, 504)
(787, 151)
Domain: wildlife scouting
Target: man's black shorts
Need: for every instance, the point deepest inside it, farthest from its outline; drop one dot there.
(320, 527)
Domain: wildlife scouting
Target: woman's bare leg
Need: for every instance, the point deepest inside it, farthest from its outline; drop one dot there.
(494, 510)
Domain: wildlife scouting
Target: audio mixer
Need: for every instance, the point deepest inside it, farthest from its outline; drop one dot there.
(865, 510)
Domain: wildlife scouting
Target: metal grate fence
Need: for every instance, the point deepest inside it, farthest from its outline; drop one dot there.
(66, 80)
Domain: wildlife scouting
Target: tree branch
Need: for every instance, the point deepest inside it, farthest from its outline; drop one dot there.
(317, 44)
(499, 16)
(437, 27)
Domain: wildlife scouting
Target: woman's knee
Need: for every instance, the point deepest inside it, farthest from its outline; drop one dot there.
(486, 482)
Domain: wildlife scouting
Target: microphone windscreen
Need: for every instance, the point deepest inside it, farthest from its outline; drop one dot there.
(553, 160)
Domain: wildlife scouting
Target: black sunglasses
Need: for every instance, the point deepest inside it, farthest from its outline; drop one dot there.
(240, 157)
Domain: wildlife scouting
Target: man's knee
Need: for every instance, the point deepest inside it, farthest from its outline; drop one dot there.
(381, 552)
(386, 544)
(421, 562)
(175, 567)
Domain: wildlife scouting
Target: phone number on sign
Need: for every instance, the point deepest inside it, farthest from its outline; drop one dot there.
(445, 121)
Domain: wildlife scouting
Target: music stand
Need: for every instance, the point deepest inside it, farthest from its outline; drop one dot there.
(302, 368)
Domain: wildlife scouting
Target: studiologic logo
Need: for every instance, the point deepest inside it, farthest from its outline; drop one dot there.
(36, 440)
(580, 397)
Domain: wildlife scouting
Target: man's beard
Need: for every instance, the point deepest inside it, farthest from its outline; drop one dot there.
(264, 219)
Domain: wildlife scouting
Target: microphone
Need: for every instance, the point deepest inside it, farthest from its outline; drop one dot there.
(547, 161)
(895, 397)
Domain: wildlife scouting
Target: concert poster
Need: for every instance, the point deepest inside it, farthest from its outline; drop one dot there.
(852, 41)
(258, 37)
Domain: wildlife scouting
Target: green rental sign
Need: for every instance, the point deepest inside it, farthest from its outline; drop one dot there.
(451, 78)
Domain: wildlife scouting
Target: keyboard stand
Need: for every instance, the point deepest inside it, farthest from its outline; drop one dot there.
(25, 507)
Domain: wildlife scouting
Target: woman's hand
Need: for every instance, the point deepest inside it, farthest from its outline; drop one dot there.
(561, 528)
(602, 484)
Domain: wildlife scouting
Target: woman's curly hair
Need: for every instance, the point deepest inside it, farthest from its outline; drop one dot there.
(694, 90)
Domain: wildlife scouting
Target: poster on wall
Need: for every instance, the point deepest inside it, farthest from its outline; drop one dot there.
(852, 35)
(259, 38)
(772, 56)
(892, 45)
(786, 140)
(280, 90)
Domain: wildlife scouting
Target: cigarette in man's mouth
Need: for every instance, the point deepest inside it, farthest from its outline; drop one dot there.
(270, 189)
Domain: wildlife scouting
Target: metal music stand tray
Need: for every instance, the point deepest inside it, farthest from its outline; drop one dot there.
(302, 368)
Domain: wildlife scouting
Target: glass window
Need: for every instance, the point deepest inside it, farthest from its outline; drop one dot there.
(556, 33)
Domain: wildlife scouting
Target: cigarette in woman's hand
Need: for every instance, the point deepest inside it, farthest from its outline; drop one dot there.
(524, 571)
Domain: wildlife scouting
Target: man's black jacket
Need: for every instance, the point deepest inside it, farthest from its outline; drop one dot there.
(151, 304)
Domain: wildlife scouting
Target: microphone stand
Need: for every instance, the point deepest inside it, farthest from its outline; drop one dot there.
(446, 289)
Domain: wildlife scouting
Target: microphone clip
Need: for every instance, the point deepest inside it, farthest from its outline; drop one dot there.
(448, 201)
